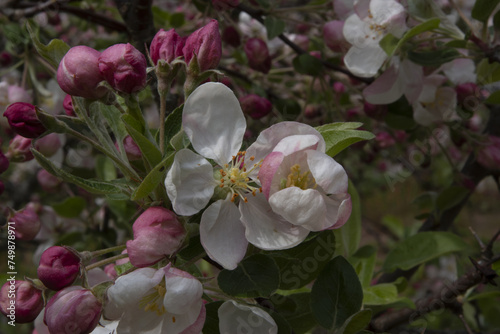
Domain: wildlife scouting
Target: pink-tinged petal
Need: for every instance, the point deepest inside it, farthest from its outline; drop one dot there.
(183, 292)
(214, 122)
(299, 207)
(197, 326)
(266, 229)
(343, 8)
(268, 169)
(222, 234)
(430, 86)
(271, 136)
(386, 89)
(190, 183)
(327, 172)
(361, 8)
(339, 206)
(460, 71)
(411, 77)
(239, 318)
(364, 60)
(295, 143)
(389, 13)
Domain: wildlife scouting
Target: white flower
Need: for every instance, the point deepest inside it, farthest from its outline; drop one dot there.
(215, 124)
(304, 185)
(238, 318)
(153, 301)
(366, 28)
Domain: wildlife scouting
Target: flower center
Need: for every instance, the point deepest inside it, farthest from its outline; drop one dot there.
(234, 177)
(303, 180)
(154, 301)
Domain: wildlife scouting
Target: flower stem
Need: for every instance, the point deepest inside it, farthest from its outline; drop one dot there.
(105, 261)
(107, 250)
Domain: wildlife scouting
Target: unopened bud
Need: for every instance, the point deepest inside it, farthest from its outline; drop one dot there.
(4, 162)
(68, 106)
(20, 301)
(384, 140)
(205, 43)
(124, 68)
(78, 73)
(231, 36)
(59, 267)
(157, 233)
(19, 149)
(72, 310)
(376, 112)
(48, 145)
(131, 149)
(166, 45)
(47, 181)
(26, 222)
(334, 36)
(467, 92)
(258, 55)
(23, 121)
(255, 106)
(489, 154)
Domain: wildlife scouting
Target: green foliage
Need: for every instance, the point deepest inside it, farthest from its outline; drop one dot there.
(300, 316)
(256, 276)
(356, 322)
(337, 294)
(212, 319)
(349, 235)
(274, 26)
(339, 136)
(483, 9)
(71, 207)
(434, 58)
(307, 64)
(154, 179)
(52, 52)
(421, 248)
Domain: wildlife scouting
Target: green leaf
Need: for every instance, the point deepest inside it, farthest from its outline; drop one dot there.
(350, 234)
(93, 186)
(193, 249)
(380, 294)
(434, 58)
(153, 179)
(496, 21)
(488, 72)
(483, 8)
(337, 294)
(149, 150)
(105, 169)
(451, 196)
(122, 268)
(52, 52)
(494, 98)
(283, 325)
(71, 207)
(302, 264)
(400, 115)
(173, 124)
(363, 262)
(274, 26)
(421, 248)
(300, 318)
(177, 20)
(356, 322)
(307, 64)
(339, 136)
(212, 319)
(390, 43)
(256, 276)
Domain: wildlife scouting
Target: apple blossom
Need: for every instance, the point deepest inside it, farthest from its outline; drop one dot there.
(49, 183)
(167, 300)
(68, 106)
(239, 318)
(23, 121)
(205, 43)
(20, 149)
(58, 268)
(258, 55)
(366, 28)
(166, 45)
(334, 37)
(48, 145)
(28, 301)
(26, 221)
(255, 106)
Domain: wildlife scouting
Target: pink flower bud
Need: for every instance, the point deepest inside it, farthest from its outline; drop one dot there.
(68, 106)
(26, 222)
(20, 301)
(157, 233)
(72, 310)
(258, 55)
(467, 92)
(311, 111)
(489, 155)
(19, 94)
(5, 59)
(48, 145)
(225, 4)
(334, 36)
(255, 106)
(316, 54)
(375, 111)
(231, 36)
(206, 44)
(23, 121)
(59, 267)
(4, 163)
(124, 68)
(131, 149)
(47, 181)
(166, 45)
(302, 41)
(110, 271)
(19, 149)
(338, 87)
(384, 140)
(78, 73)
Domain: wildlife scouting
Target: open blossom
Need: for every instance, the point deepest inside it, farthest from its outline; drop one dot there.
(239, 318)
(167, 300)
(364, 30)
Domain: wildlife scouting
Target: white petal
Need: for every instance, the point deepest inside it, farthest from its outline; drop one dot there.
(238, 318)
(460, 71)
(266, 229)
(294, 143)
(222, 234)
(140, 321)
(190, 183)
(299, 207)
(177, 323)
(361, 8)
(386, 89)
(327, 172)
(411, 77)
(389, 13)
(183, 292)
(365, 60)
(214, 122)
(270, 137)
(338, 210)
(356, 31)
(423, 116)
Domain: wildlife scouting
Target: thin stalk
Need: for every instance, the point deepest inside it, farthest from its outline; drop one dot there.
(107, 250)
(163, 112)
(105, 261)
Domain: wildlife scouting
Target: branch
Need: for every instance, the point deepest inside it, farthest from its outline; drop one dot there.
(256, 14)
